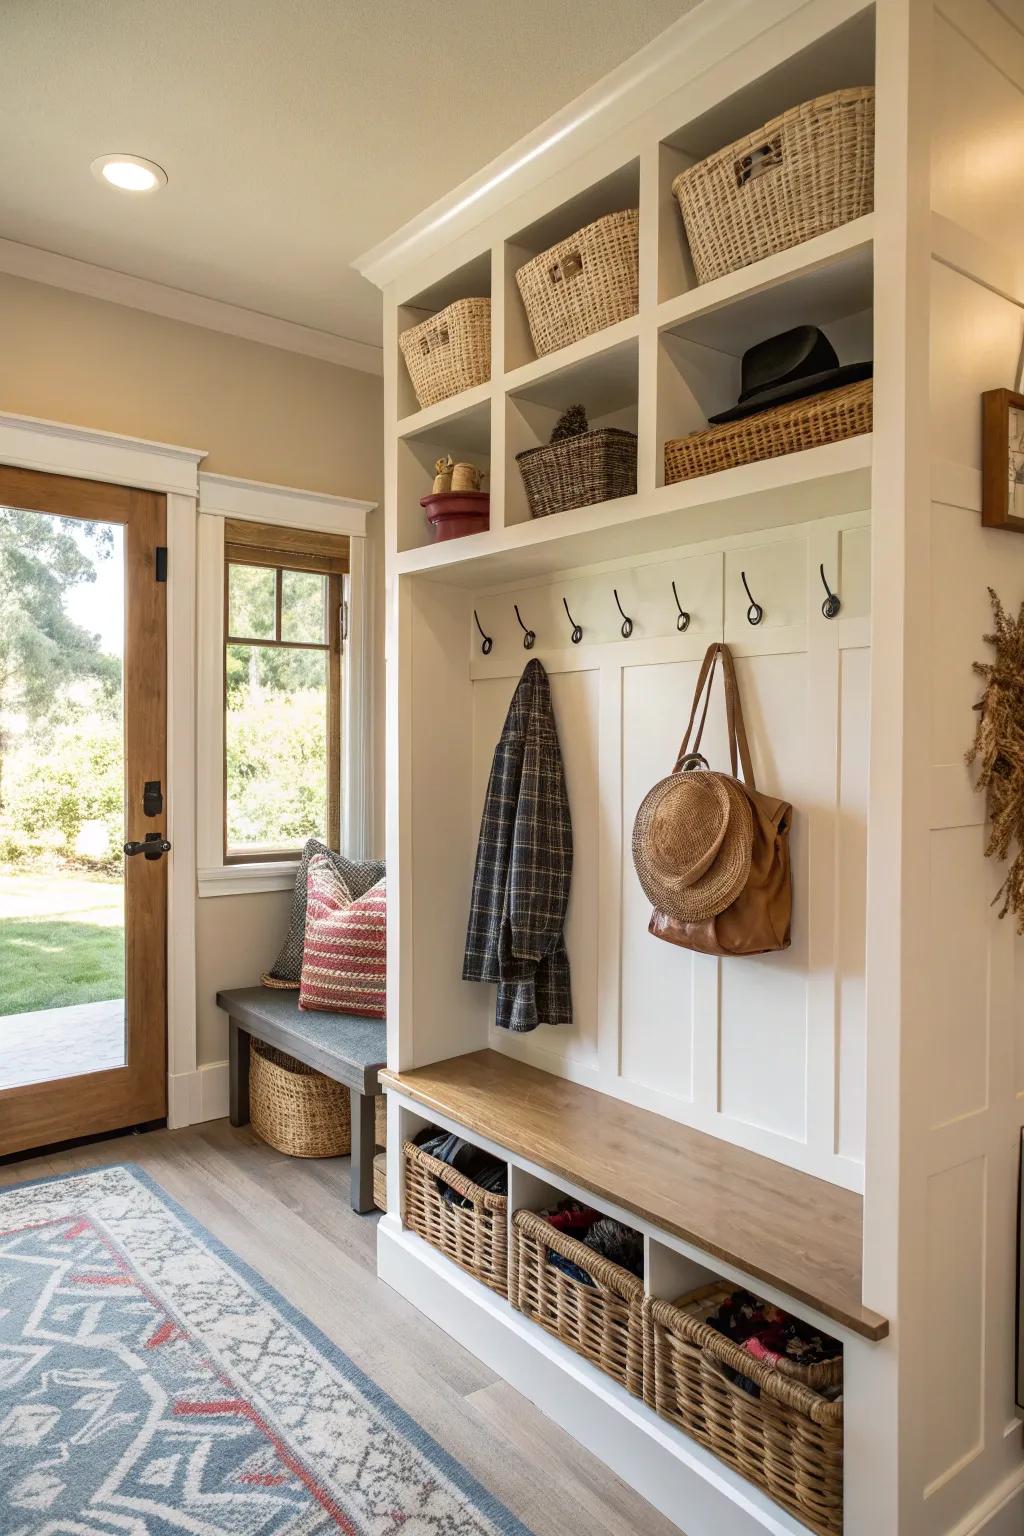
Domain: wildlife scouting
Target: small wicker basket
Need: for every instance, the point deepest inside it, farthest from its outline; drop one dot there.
(579, 471)
(828, 417)
(474, 1236)
(294, 1109)
(449, 352)
(380, 1181)
(584, 283)
(803, 173)
(789, 1440)
(602, 1322)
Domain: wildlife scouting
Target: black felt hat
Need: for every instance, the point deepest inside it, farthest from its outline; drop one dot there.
(787, 367)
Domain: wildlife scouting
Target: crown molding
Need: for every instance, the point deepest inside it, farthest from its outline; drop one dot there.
(691, 45)
(260, 502)
(57, 271)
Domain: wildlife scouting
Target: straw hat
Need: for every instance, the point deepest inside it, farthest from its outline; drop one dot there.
(692, 843)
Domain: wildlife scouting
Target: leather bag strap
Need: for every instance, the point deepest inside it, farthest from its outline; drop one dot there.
(739, 749)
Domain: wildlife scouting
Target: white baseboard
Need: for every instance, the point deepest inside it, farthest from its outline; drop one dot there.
(196, 1096)
(672, 1472)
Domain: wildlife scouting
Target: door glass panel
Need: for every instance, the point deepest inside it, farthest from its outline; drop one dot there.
(252, 602)
(303, 607)
(275, 737)
(61, 797)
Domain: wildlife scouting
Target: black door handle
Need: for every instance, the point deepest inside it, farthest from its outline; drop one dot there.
(154, 846)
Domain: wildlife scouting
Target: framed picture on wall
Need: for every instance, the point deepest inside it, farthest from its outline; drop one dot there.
(1002, 459)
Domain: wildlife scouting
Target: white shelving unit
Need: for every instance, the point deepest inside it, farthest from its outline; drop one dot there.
(884, 1051)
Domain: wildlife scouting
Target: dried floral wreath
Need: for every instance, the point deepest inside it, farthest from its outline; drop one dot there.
(999, 748)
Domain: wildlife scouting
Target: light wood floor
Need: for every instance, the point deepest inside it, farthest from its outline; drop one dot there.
(290, 1220)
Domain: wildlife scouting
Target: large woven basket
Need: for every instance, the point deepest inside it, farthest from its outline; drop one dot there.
(603, 1322)
(583, 284)
(578, 471)
(789, 1440)
(474, 1236)
(805, 172)
(826, 418)
(297, 1110)
(380, 1181)
(449, 352)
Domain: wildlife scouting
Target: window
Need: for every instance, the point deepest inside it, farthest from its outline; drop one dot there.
(282, 689)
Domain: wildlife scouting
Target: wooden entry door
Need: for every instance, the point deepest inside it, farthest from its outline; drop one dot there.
(81, 1089)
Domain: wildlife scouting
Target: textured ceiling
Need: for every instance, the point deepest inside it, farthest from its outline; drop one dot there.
(295, 133)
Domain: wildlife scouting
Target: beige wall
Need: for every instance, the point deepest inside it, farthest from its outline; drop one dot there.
(260, 413)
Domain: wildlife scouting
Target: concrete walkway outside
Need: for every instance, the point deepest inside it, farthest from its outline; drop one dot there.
(61, 1042)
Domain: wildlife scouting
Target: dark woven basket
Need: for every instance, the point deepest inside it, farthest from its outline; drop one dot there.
(579, 471)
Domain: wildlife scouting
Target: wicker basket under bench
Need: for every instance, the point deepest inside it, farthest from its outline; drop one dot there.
(603, 1322)
(789, 1440)
(474, 1236)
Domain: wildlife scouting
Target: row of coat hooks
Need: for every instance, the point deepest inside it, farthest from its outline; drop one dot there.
(755, 613)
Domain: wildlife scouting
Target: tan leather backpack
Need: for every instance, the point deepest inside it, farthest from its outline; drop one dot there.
(758, 921)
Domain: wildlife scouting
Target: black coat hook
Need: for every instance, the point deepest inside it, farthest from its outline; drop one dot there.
(627, 622)
(528, 635)
(831, 606)
(683, 621)
(486, 643)
(577, 632)
(755, 613)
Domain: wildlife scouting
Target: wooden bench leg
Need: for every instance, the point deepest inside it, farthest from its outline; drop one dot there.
(363, 1148)
(238, 1073)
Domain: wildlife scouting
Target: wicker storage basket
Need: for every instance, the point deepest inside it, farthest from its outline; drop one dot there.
(474, 1236)
(805, 172)
(602, 1322)
(583, 284)
(824, 418)
(789, 1440)
(449, 352)
(380, 1181)
(295, 1109)
(578, 471)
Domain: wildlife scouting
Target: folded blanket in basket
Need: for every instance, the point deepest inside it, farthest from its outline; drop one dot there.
(481, 1167)
(612, 1239)
(772, 1336)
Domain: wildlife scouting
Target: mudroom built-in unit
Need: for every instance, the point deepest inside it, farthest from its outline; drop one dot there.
(831, 1127)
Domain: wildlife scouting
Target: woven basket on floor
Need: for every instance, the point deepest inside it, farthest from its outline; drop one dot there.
(449, 352)
(380, 1120)
(578, 471)
(805, 172)
(295, 1109)
(789, 1441)
(826, 418)
(380, 1181)
(474, 1236)
(603, 1322)
(583, 284)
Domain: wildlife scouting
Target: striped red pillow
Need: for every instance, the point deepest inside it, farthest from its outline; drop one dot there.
(344, 960)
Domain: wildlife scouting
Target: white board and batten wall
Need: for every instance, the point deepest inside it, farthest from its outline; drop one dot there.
(885, 1050)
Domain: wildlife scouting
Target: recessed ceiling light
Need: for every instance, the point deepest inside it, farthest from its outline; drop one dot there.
(129, 173)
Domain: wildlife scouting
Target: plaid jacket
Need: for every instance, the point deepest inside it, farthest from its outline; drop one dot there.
(524, 868)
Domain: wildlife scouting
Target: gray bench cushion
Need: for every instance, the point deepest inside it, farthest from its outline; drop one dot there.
(341, 1045)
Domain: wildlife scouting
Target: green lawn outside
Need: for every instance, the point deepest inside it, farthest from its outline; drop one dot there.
(61, 940)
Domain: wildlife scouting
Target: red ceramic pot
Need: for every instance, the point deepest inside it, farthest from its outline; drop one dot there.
(452, 514)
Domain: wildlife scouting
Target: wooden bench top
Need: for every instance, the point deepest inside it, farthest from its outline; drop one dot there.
(796, 1232)
(343, 1046)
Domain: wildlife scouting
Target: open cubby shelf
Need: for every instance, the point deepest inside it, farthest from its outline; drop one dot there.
(661, 373)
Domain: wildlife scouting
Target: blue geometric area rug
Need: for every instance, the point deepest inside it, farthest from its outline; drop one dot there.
(152, 1385)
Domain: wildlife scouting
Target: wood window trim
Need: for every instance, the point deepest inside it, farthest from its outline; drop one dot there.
(290, 549)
